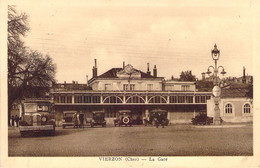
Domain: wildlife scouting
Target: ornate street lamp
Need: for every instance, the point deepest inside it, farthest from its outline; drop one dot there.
(215, 53)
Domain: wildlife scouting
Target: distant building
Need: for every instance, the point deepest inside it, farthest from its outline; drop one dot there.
(236, 105)
(70, 86)
(245, 79)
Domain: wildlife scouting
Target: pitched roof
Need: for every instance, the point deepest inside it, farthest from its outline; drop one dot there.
(234, 93)
(113, 71)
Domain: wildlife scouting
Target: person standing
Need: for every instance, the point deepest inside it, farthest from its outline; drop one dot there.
(158, 120)
(12, 118)
(145, 119)
(81, 120)
(16, 118)
(75, 118)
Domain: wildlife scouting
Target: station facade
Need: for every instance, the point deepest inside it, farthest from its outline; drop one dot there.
(128, 88)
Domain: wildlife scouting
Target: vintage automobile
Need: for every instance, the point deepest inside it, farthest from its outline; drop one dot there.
(123, 118)
(37, 116)
(202, 119)
(158, 117)
(98, 118)
(68, 118)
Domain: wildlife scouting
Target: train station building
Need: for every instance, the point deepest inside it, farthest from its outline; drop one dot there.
(127, 88)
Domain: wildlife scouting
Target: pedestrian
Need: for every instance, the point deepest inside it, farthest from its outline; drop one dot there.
(145, 120)
(12, 118)
(159, 120)
(16, 118)
(81, 120)
(75, 120)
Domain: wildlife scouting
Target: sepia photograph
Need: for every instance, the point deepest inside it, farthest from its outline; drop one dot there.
(128, 82)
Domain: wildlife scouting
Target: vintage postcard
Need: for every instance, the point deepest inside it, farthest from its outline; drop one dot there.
(114, 83)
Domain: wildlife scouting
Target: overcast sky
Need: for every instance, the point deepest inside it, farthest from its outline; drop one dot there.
(173, 35)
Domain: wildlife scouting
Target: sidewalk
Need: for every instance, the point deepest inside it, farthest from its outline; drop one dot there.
(223, 125)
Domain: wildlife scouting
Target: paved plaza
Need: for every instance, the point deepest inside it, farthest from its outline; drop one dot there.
(174, 140)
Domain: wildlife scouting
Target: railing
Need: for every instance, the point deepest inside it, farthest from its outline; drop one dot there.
(138, 97)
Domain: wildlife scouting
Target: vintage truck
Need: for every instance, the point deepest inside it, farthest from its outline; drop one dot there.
(37, 116)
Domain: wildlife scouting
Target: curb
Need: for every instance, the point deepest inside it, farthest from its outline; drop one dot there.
(220, 126)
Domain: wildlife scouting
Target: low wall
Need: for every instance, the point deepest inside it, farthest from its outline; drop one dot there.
(181, 117)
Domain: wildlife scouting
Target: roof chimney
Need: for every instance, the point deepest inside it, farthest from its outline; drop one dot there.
(244, 75)
(95, 69)
(123, 64)
(203, 75)
(155, 71)
(148, 71)
(87, 79)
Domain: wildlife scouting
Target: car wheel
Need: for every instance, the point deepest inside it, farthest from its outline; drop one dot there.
(23, 134)
(126, 120)
(52, 132)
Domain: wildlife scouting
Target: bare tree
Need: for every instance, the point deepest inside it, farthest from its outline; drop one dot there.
(26, 68)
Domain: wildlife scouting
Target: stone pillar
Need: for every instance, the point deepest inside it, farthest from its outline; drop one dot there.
(216, 93)
(124, 101)
(101, 99)
(216, 119)
(72, 99)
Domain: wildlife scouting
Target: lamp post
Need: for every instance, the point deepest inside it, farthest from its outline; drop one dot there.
(216, 91)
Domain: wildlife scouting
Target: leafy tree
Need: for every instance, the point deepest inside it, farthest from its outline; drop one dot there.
(27, 69)
(187, 76)
(204, 86)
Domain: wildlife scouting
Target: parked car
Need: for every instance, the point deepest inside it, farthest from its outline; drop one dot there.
(202, 119)
(68, 118)
(98, 118)
(124, 117)
(158, 117)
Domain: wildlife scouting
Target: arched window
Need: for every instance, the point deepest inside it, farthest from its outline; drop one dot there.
(247, 108)
(228, 109)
